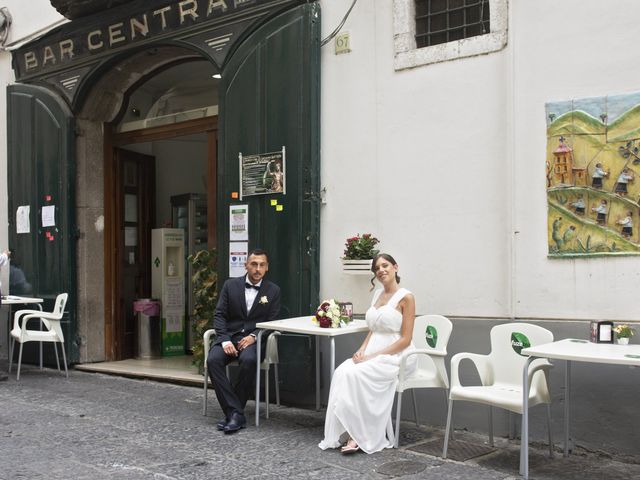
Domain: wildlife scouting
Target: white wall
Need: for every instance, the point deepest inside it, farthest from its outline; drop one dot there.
(566, 50)
(445, 162)
(30, 17)
(6, 77)
(418, 158)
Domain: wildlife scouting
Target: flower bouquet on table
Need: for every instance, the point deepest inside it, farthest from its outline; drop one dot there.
(330, 314)
(623, 333)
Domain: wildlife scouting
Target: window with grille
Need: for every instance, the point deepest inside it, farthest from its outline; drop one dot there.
(433, 31)
(443, 21)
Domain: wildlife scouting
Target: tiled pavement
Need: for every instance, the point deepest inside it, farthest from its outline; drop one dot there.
(94, 426)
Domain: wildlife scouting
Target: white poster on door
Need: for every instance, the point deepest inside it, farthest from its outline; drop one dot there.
(49, 216)
(23, 225)
(237, 258)
(238, 222)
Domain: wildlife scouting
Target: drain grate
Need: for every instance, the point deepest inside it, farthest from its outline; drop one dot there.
(458, 450)
(400, 468)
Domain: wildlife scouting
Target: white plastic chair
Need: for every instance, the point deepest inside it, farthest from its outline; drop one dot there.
(271, 358)
(430, 336)
(501, 375)
(53, 333)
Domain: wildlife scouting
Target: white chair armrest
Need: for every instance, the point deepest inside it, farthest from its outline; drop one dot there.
(21, 317)
(271, 353)
(481, 363)
(405, 356)
(540, 364)
(206, 338)
(44, 315)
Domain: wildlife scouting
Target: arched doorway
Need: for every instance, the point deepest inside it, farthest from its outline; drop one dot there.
(160, 142)
(269, 98)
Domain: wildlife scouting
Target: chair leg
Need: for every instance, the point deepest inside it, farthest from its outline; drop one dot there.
(415, 406)
(275, 373)
(64, 359)
(549, 430)
(398, 415)
(55, 349)
(19, 361)
(491, 427)
(446, 398)
(447, 429)
(206, 384)
(266, 392)
(11, 347)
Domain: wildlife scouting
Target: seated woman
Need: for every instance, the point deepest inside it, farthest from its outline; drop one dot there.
(363, 387)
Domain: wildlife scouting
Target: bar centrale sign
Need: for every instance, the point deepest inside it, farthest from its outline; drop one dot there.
(115, 31)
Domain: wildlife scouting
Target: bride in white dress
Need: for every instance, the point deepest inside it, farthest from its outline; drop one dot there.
(363, 387)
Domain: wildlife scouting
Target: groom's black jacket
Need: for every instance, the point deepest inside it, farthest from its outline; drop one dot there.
(232, 321)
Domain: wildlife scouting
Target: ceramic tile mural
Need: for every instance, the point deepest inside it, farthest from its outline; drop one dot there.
(592, 167)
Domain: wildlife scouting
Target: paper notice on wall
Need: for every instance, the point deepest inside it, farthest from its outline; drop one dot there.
(130, 236)
(174, 293)
(237, 258)
(49, 216)
(173, 321)
(23, 225)
(238, 222)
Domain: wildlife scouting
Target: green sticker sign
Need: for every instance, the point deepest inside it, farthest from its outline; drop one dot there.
(431, 335)
(519, 341)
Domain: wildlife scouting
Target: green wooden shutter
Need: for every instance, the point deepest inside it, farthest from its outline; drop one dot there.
(41, 173)
(270, 98)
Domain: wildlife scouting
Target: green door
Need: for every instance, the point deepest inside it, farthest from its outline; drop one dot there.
(41, 184)
(269, 98)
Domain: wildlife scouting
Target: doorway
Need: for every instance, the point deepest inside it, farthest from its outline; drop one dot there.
(162, 151)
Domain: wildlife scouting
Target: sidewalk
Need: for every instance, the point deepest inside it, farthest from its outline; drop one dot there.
(95, 426)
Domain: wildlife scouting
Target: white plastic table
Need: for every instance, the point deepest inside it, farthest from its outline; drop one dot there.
(305, 325)
(15, 300)
(570, 350)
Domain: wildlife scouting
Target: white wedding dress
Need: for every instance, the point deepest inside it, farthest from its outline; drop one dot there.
(361, 395)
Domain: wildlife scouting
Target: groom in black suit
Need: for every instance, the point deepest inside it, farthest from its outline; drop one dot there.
(244, 301)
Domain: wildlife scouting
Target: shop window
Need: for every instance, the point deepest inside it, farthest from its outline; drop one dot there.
(431, 31)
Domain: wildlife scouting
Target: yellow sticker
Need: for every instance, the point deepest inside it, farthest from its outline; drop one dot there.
(279, 208)
(274, 202)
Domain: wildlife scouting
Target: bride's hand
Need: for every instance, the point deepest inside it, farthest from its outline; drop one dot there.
(358, 357)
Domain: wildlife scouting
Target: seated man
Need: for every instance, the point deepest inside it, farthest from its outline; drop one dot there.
(244, 301)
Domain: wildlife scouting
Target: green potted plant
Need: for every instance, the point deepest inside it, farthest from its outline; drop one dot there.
(205, 298)
(358, 253)
(623, 333)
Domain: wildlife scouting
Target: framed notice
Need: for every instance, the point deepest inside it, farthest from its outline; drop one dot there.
(263, 173)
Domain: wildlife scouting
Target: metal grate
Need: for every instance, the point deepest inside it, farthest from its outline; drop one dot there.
(458, 450)
(442, 21)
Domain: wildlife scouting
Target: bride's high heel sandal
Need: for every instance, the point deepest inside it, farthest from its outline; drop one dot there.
(350, 447)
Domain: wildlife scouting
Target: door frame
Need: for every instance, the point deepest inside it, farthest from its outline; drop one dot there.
(112, 140)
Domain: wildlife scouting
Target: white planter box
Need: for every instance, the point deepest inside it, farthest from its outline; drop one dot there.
(357, 267)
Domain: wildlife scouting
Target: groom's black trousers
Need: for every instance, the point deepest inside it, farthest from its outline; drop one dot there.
(232, 397)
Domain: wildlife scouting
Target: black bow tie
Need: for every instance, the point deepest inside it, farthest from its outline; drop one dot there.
(251, 285)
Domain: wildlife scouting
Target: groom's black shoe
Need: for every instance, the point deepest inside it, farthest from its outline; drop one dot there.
(235, 423)
(222, 423)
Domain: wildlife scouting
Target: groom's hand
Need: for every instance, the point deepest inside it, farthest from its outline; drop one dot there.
(246, 341)
(230, 349)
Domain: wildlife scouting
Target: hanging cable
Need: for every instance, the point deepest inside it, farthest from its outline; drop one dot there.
(335, 32)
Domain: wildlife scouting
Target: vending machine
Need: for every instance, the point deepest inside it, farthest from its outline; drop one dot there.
(167, 285)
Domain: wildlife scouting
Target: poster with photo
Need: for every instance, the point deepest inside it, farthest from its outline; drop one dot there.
(263, 174)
